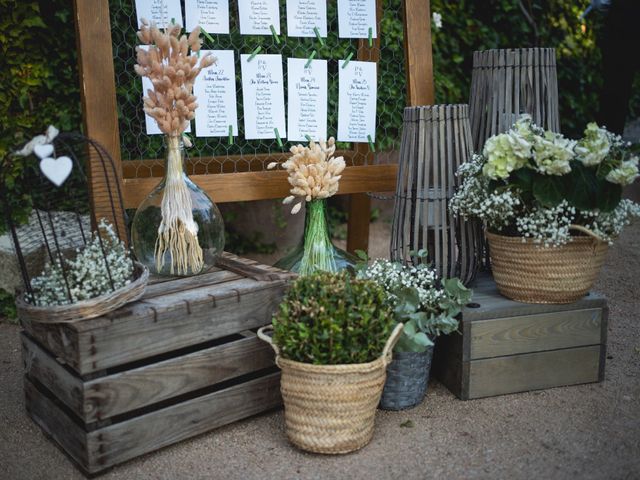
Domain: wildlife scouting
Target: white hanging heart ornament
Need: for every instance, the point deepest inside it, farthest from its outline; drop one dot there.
(57, 170)
(43, 151)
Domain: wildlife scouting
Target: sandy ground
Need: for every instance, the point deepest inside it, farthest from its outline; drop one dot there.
(587, 431)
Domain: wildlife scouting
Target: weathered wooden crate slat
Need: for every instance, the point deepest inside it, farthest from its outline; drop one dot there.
(102, 448)
(117, 393)
(507, 347)
(180, 361)
(161, 323)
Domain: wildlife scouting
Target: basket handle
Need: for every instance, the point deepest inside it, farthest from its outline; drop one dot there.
(391, 342)
(586, 231)
(262, 335)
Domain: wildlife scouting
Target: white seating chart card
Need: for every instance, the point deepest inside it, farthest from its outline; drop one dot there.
(305, 15)
(211, 15)
(149, 122)
(263, 96)
(159, 12)
(358, 85)
(257, 16)
(356, 17)
(307, 112)
(215, 88)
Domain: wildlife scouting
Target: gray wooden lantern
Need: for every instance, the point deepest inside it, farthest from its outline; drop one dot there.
(436, 140)
(507, 83)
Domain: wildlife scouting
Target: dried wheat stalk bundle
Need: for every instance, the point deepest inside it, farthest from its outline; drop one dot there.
(172, 65)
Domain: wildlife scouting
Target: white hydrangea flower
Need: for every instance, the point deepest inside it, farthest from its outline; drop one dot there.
(595, 145)
(625, 174)
(553, 153)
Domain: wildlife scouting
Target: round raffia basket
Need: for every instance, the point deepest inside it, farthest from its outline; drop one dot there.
(331, 408)
(86, 309)
(525, 271)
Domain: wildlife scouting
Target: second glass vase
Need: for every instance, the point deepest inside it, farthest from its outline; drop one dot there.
(316, 252)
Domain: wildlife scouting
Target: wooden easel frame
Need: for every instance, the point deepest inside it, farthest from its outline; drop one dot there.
(98, 91)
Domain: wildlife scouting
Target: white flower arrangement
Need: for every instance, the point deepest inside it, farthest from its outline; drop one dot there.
(394, 276)
(537, 184)
(87, 275)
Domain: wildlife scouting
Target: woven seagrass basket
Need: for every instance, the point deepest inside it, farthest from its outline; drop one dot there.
(528, 272)
(87, 309)
(331, 408)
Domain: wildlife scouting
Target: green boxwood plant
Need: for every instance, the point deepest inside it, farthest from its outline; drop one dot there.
(332, 319)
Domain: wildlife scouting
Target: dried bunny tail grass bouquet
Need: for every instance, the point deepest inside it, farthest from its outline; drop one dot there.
(313, 172)
(172, 71)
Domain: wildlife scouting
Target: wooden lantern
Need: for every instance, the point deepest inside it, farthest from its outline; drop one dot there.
(507, 83)
(436, 140)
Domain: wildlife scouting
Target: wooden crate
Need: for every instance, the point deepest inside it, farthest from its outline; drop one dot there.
(508, 347)
(181, 361)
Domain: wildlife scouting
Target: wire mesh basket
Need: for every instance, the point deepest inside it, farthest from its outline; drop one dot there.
(62, 224)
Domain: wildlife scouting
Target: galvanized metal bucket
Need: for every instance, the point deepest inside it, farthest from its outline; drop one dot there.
(407, 379)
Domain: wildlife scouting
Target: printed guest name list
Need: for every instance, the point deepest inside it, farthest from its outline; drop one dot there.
(159, 12)
(307, 88)
(305, 15)
(215, 89)
(357, 102)
(263, 96)
(211, 15)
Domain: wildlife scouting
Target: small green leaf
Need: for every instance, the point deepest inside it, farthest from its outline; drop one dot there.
(549, 190)
(407, 424)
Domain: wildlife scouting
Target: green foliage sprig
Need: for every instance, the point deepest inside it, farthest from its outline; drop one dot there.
(331, 319)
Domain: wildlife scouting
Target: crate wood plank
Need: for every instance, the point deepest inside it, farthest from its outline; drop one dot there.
(535, 333)
(184, 283)
(131, 438)
(533, 371)
(131, 389)
(56, 423)
(160, 325)
(101, 449)
(122, 392)
(39, 364)
(494, 305)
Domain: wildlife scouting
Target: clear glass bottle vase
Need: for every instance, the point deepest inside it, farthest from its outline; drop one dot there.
(316, 252)
(177, 229)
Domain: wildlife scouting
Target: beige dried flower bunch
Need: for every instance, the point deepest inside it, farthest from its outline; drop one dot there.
(313, 172)
(172, 71)
(172, 67)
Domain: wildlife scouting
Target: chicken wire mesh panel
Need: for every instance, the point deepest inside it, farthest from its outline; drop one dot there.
(142, 153)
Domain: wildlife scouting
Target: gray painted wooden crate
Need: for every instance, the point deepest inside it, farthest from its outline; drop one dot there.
(181, 361)
(508, 347)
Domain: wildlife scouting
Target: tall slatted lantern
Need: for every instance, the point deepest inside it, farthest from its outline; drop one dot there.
(507, 83)
(436, 140)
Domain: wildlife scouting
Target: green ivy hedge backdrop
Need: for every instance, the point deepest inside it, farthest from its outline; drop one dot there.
(39, 80)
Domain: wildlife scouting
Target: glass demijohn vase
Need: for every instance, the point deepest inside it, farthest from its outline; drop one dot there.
(196, 240)
(316, 252)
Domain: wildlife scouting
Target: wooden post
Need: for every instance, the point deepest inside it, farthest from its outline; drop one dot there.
(418, 53)
(98, 92)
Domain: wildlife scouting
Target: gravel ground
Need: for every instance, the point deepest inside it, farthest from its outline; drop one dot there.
(587, 431)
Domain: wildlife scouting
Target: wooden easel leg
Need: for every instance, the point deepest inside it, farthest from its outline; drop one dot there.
(358, 227)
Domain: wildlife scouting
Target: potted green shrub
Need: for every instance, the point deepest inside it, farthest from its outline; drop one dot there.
(333, 336)
(428, 307)
(551, 207)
